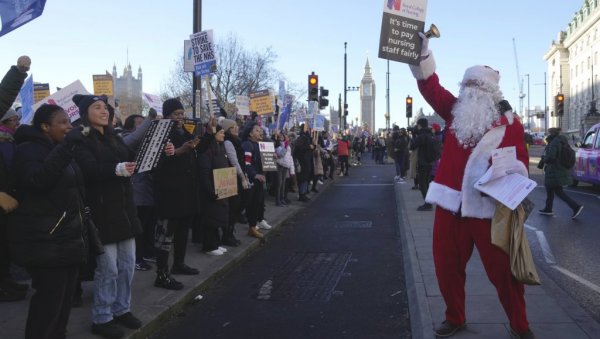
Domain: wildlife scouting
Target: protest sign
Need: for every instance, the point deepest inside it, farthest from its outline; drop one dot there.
(64, 99)
(40, 91)
(242, 103)
(261, 102)
(286, 109)
(153, 144)
(15, 14)
(103, 84)
(26, 94)
(319, 122)
(204, 53)
(401, 23)
(153, 101)
(267, 156)
(225, 180)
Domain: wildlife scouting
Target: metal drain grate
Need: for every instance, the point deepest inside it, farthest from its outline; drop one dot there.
(306, 277)
(354, 224)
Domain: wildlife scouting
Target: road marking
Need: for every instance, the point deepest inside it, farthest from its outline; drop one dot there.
(545, 248)
(359, 185)
(579, 279)
(576, 192)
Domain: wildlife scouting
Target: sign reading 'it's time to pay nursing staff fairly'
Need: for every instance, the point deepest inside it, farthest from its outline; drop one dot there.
(402, 21)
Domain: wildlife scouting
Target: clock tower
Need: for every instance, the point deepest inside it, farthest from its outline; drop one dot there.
(367, 99)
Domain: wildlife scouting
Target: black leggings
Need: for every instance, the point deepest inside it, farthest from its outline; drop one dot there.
(255, 209)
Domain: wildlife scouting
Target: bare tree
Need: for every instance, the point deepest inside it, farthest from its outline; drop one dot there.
(239, 72)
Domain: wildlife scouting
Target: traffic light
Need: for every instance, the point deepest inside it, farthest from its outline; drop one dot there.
(560, 105)
(313, 87)
(409, 103)
(323, 101)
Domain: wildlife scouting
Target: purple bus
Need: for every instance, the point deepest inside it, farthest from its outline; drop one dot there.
(586, 167)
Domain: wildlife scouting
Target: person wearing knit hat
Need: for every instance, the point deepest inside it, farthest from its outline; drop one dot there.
(227, 124)
(478, 121)
(170, 106)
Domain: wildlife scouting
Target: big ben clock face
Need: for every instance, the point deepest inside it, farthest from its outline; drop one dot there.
(366, 90)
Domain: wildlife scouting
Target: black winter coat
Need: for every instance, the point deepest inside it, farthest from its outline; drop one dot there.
(109, 197)
(304, 154)
(216, 212)
(46, 230)
(420, 142)
(175, 181)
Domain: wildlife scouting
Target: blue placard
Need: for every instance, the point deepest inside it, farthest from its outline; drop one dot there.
(204, 68)
(14, 17)
(26, 95)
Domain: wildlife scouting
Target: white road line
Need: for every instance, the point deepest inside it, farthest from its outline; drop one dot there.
(579, 279)
(545, 248)
(577, 192)
(529, 227)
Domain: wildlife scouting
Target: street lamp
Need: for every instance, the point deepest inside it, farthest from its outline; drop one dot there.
(343, 121)
(387, 97)
(545, 105)
(528, 106)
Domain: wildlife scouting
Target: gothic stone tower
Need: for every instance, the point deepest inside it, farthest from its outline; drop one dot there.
(367, 99)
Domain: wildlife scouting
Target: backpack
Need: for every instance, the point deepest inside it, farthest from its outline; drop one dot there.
(433, 149)
(566, 155)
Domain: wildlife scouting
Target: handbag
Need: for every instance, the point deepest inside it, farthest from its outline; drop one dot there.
(93, 235)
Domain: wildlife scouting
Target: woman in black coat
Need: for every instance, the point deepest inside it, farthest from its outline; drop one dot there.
(107, 164)
(216, 211)
(303, 152)
(46, 230)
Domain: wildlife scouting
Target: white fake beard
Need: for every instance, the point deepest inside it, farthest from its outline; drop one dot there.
(474, 113)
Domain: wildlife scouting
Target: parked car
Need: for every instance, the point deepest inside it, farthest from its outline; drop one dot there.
(586, 167)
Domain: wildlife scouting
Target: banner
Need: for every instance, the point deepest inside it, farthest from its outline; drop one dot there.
(40, 91)
(27, 100)
(153, 101)
(204, 53)
(285, 111)
(63, 98)
(188, 56)
(261, 102)
(242, 103)
(319, 122)
(153, 144)
(402, 21)
(103, 84)
(15, 14)
(267, 156)
(225, 180)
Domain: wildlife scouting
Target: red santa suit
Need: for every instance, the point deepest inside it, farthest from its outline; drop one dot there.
(463, 215)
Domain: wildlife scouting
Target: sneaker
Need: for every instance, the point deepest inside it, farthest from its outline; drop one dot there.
(547, 212)
(183, 269)
(128, 320)
(215, 252)
(525, 335)
(222, 249)
(108, 330)
(577, 211)
(425, 207)
(447, 329)
(397, 177)
(142, 266)
(320, 182)
(263, 224)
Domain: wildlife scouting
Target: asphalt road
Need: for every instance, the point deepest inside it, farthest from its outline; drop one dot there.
(332, 271)
(568, 250)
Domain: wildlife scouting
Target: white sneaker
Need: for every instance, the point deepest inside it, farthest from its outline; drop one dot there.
(222, 249)
(264, 225)
(215, 252)
(320, 182)
(397, 177)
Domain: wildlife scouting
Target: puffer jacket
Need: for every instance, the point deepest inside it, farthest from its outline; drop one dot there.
(46, 230)
(554, 173)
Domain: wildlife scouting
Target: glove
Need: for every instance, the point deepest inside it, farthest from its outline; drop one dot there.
(124, 169)
(424, 45)
(8, 203)
(504, 106)
(24, 63)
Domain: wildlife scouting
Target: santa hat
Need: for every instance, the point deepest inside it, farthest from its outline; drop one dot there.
(483, 75)
(436, 127)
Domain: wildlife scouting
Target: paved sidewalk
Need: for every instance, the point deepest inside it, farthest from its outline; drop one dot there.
(155, 305)
(551, 313)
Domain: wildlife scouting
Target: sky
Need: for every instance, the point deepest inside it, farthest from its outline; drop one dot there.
(70, 42)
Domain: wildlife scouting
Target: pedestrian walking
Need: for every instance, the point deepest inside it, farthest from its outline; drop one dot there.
(422, 142)
(556, 176)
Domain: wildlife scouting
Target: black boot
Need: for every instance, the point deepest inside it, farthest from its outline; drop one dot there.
(164, 280)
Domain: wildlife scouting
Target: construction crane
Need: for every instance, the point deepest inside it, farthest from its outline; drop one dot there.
(519, 80)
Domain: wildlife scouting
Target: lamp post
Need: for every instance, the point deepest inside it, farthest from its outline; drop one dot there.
(196, 82)
(545, 105)
(387, 97)
(528, 105)
(343, 121)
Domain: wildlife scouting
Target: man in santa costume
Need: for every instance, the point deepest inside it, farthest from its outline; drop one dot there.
(479, 121)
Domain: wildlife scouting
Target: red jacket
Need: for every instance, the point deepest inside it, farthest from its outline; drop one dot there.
(343, 148)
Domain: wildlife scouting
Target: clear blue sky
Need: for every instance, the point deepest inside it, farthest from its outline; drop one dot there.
(73, 41)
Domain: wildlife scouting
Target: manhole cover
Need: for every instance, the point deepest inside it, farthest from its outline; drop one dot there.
(354, 224)
(307, 277)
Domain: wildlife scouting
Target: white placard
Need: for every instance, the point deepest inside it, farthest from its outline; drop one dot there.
(64, 99)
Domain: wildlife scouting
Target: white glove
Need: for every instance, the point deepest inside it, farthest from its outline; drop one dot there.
(424, 45)
(124, 169)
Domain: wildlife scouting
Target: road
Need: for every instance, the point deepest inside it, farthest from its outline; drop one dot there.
(568, 250)
(333, 271)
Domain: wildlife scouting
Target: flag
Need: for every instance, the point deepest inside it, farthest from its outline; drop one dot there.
(26, 95)
(15, 14)
(285, 111)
